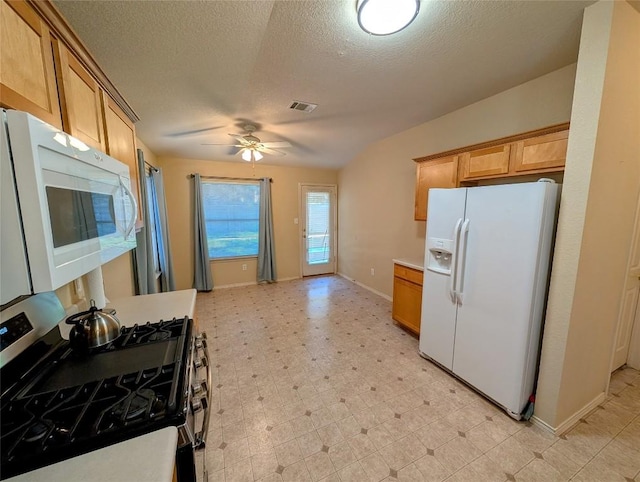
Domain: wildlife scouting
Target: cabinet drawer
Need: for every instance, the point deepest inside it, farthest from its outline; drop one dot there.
(491, 161)
(409, 274)
(542, 152)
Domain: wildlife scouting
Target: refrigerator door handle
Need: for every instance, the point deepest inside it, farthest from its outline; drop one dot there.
(463, 259)
(454, 261)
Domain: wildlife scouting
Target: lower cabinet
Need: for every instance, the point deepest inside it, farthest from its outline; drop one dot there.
(407, 297)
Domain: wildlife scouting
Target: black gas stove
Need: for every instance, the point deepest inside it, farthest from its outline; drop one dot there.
(66, 404)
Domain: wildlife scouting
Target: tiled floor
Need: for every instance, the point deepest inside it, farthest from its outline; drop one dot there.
(313, 381)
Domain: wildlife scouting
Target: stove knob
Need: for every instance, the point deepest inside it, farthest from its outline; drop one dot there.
(197, 362)
(196, 406)
(201, 336)
(201, 342)
(196, 388)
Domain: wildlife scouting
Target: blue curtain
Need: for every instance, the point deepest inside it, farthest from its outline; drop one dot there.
(144, 271)
(167, 279)
(266, 238)
(202, 276)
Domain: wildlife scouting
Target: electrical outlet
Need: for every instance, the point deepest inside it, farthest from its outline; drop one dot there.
(373, 272)
(244, 266)
(295, 220)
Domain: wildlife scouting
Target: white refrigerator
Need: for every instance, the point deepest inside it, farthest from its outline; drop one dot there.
(485, 283)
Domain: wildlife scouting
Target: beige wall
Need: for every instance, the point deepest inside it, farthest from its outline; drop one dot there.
(376, 201)
(602, 181)
(284, 191)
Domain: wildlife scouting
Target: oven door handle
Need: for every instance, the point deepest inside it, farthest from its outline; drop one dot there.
(201, 438)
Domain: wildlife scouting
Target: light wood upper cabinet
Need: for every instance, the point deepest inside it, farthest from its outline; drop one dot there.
(534, 152)
(82, 105)
(542, 152)
(434, 173)
(121, 143)
(488, 162)
(27, 76)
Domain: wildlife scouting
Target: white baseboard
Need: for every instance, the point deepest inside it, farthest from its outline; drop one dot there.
(368, 288)
(234, 285)
(251, 283)
(288, 279)
(571, 421)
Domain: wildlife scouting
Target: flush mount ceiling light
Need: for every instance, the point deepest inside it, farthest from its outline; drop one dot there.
(384, 17)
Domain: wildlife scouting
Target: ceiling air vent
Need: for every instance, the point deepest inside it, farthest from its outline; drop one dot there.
(303, 106)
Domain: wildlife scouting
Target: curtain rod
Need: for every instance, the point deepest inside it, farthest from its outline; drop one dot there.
(150, 166)
(231, 178)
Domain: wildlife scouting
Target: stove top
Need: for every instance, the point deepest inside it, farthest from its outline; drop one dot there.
(71, 404)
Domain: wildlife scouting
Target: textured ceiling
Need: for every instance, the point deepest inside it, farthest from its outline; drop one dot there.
(195, 71)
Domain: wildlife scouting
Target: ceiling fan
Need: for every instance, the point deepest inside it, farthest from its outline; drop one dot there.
(252, 148)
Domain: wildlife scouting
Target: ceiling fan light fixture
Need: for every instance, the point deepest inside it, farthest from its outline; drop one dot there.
(385, 17)
(251, 154)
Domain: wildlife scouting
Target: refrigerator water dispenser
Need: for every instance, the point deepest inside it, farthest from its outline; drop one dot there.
(439, 255)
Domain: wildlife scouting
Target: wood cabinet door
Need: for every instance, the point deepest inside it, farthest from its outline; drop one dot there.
(120, 136)
(491, 161)
(81, 100)
(442, 173)
(542, 152)
(407, 304)
(27, 75)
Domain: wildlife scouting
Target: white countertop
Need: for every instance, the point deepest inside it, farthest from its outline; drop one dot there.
(156, 307)
(148, 458)
(410, 263)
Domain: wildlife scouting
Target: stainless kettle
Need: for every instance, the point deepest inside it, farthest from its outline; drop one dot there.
(93, 328)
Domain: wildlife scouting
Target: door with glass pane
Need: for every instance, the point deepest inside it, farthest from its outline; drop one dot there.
(317, 228)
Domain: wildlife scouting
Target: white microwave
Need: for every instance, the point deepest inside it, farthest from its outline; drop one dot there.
(74, 205)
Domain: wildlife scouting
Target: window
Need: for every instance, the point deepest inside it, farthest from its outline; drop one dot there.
(231, 211)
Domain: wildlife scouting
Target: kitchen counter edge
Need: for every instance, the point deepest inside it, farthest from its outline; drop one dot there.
(148, 458)
(154, 307)
(410, 263)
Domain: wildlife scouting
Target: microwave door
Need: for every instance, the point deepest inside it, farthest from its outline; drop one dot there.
(92, 214)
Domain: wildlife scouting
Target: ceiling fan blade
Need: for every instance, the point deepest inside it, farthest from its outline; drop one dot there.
(240, 139)
(271, 152)
(224, 145)
(276, 144)
(193, 132)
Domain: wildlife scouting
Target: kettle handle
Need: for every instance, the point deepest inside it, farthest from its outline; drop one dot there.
(74, 319)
